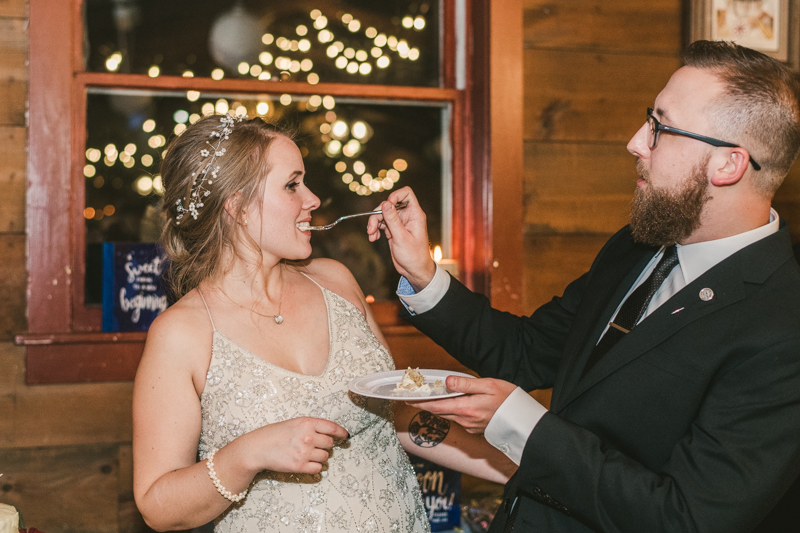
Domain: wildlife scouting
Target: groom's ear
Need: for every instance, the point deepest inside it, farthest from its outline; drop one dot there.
(728, 170)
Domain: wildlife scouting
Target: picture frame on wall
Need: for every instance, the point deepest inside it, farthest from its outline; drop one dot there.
(769, 26)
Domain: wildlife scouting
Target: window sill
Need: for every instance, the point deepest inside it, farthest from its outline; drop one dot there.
(86, 357)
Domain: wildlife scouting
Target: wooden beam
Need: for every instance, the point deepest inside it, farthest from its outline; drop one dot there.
(48, 199)
(506, 104)
(266, 87)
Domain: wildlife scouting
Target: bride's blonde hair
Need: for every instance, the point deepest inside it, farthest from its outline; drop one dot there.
(196, 247)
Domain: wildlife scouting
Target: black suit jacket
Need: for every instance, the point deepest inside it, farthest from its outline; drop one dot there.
(690, 423)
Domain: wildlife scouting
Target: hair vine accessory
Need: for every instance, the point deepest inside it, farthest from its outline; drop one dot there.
(200, 180)
(235, 498)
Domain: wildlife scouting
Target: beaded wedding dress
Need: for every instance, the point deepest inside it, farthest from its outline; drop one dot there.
(368, 486)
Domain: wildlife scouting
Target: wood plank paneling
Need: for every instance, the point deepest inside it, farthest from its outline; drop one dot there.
(63, 415)
(575, 214)
(13, 71)
(14, 8)
(791, 184)
(622, 25)
(63, 489)
(583, 96)
(13, 279)
(553, 261)
(130, 520)
(577, 187)
(580, 168)
(12, 373)
(787, 201)
(789, 210)
(12, 179)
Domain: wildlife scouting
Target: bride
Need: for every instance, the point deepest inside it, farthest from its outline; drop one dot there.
(248, 371)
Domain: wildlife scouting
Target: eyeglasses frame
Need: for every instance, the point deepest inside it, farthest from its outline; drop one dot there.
(659, 127)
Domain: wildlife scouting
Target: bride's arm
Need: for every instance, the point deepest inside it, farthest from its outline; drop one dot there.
(448, 444)
(172, 489)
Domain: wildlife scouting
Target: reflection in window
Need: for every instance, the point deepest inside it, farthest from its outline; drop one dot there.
(387, 42)
(355, 153)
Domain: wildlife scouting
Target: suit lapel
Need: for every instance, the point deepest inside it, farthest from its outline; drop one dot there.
(599, 304)
(730, 282)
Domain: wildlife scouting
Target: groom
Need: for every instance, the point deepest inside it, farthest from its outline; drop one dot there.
(675, 360)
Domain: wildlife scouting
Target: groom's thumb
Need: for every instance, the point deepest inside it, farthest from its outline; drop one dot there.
(460, 384)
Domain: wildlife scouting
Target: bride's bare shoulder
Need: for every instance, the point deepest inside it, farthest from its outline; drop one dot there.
(328, 270)
(180, 331)
(335, 277)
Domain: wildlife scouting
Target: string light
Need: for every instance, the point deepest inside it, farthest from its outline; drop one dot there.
(348, 140)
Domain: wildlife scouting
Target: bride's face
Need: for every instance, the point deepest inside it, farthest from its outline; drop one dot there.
(286, 202)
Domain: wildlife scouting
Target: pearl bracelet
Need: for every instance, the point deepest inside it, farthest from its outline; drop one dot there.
(235, 498)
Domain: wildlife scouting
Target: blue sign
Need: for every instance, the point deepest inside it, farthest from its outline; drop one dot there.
(441, 493)
(133, 290)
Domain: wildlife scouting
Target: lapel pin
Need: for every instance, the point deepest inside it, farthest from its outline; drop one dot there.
(678, 310)
(706, 294)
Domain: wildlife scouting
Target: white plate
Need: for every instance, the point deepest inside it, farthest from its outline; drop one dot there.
(382, 384)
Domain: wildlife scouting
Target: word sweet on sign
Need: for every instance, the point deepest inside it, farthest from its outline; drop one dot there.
(133, 289)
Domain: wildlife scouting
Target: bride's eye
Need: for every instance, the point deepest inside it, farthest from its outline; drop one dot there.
(292, 186)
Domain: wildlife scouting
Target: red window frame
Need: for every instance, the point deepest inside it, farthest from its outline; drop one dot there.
(64, 339)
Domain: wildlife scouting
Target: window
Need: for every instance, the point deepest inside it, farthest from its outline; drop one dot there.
(373, 88)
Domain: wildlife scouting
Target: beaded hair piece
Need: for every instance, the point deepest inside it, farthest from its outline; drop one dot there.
(201, 181)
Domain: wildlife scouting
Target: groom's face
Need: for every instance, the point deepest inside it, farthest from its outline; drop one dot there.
(664, 216)
(673, 185)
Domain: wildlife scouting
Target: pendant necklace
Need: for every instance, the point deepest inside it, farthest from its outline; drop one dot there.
(277, 317)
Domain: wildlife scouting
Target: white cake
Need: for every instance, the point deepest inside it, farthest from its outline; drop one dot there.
(413, 384)
(9, 519)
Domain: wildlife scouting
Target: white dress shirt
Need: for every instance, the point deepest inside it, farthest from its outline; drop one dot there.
(515, 419)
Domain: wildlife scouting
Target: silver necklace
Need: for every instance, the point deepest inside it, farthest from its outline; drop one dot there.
(277, 317)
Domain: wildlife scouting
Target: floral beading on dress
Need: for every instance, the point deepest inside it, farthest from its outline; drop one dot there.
(369, 485)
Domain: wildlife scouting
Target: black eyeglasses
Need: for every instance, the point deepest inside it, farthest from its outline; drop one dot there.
(655, 127)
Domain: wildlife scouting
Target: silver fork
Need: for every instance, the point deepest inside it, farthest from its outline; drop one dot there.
(398, 205)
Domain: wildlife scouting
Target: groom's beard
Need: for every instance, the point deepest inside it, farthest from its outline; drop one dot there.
(661, 217)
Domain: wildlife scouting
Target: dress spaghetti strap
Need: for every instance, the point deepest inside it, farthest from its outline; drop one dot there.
(207, 309)
(312, 279)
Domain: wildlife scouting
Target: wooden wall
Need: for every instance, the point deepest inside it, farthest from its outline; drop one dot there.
(65, 451)
(591, 68)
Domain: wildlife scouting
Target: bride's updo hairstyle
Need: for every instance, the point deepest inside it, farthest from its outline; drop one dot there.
(197, 234)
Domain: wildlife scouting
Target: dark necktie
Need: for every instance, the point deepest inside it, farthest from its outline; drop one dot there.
(634, 307)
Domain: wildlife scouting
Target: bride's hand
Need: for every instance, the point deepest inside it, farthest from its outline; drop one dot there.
(300, 445)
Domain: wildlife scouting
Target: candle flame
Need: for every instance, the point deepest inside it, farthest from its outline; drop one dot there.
(437, 253)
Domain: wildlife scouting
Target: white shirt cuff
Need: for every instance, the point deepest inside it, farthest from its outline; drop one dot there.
(427, 298)
(513, 422)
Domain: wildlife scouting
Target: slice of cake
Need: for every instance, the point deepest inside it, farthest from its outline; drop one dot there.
(413, 384)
